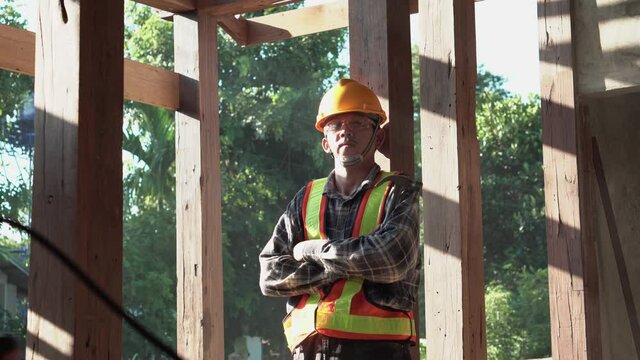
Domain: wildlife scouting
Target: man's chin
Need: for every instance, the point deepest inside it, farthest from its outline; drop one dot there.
(348, 151)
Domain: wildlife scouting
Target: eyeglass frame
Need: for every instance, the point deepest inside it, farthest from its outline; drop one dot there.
(373, 122)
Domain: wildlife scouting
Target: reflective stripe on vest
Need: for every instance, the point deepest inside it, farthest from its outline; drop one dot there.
(345, 312)
(314, 204)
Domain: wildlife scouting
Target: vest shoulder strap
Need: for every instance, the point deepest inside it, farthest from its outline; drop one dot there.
(371, 209)
(313, 204)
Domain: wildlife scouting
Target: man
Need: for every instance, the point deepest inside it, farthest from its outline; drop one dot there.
(345, 251)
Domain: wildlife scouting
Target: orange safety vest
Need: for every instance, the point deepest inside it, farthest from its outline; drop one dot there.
(345, 312)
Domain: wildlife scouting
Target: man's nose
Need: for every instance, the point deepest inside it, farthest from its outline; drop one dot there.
(346, 131)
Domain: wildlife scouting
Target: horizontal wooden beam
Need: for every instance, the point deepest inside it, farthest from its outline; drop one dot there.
(268, 28)
(413, 6)
(174, 6)
(142, 83)
(233, 7)
(17, 50)
(237, 28)
(298, 22)
(151, 85)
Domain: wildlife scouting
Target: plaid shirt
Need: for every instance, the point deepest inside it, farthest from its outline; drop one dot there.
(387, 259)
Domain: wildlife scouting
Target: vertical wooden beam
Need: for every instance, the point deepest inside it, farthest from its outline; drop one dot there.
(454, 270)
(589, 218)
(572, 264)
(77, 196)
(198, 190)
(380, 52)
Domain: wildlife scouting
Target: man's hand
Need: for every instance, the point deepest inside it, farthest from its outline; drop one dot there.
(307, 248)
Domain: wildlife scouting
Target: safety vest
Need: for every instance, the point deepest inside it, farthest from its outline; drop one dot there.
(345, 312)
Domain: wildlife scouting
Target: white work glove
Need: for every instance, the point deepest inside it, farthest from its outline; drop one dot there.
(307, 248)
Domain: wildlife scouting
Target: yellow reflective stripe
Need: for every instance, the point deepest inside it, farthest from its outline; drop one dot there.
(373, 207)
(301, 322)
(358, 324)
(312, 218)
(351, 287)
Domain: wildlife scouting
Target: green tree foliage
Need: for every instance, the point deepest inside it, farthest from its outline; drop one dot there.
(510, 137)
(15, 90)
(518, 319)
(15, 133)
(149, 264)
(15, 167)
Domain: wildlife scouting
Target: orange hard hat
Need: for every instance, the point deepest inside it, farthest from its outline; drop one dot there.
(348, 96)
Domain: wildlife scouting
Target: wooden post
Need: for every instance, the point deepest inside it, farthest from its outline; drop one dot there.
(199, 236)
(380, 53)
(454, 272)
(573, 293)
(77, 191)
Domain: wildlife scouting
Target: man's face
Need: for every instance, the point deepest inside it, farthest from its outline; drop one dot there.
(347, 134)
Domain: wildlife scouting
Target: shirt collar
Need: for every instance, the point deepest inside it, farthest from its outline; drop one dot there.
(331, 190)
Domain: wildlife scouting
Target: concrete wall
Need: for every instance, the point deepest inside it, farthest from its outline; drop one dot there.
(615, 122)
(606, 44)
(607, 40)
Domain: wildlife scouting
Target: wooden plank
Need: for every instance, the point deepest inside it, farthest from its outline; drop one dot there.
(174, 6)
(454, 273)
(298, 22)
(380, 53)
(616, 244)
(198, 191)
(303, 21)
(77, 197)
(236, 28)
(574, 335)
(413, 6)
(233, 7)
(17, 50)
(151, 85)
(142, 83)
(588, 214)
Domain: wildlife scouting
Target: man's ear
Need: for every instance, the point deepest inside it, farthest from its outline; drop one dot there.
(325, 145)
(381, 142)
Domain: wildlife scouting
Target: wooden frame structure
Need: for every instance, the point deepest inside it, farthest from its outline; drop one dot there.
(78, 149)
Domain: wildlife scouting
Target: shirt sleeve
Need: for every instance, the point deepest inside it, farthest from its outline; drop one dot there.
(387, 254)
(280, 273)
